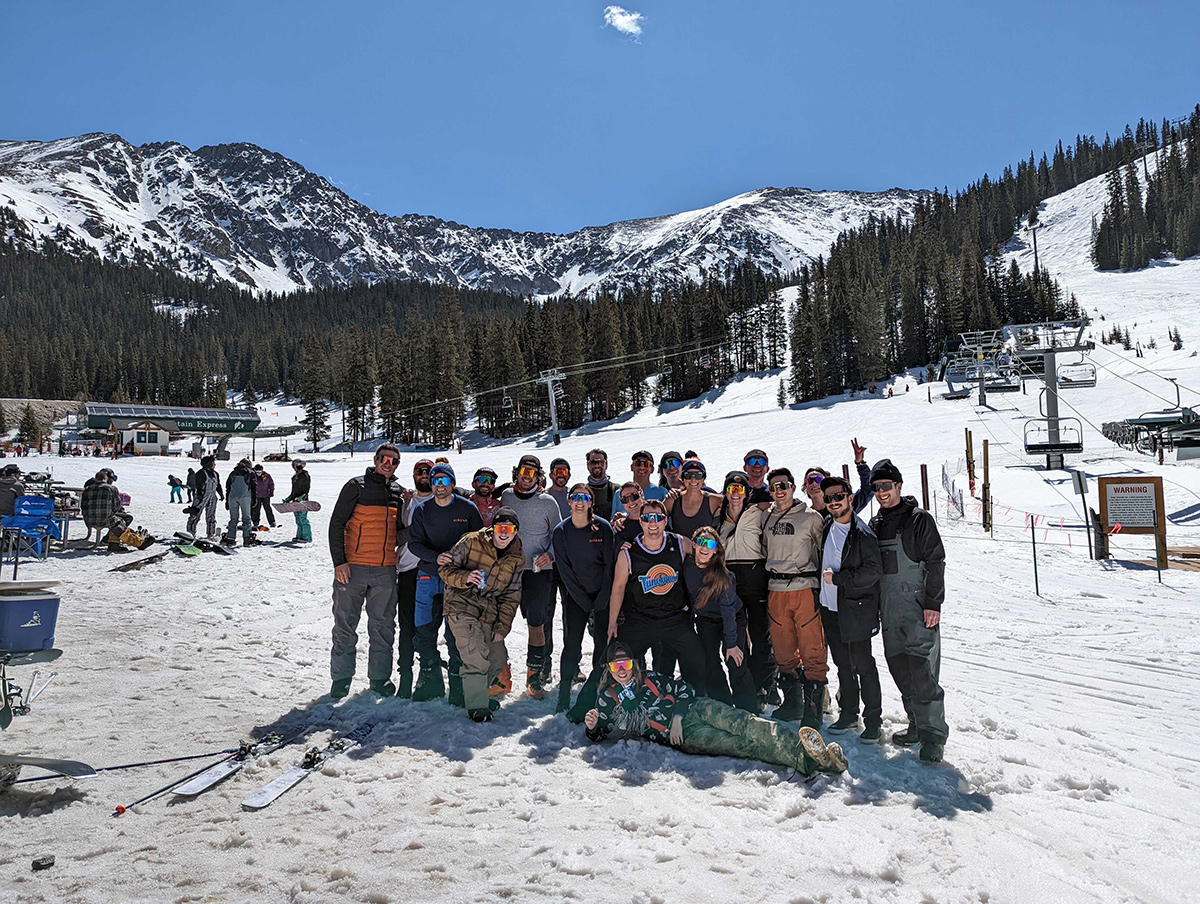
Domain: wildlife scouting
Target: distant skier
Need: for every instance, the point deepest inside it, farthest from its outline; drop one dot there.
(208, 491)
(176, 486)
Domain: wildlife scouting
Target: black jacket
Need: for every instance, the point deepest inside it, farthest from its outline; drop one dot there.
(857, 582)
(922, 543)
(301, 484)
(585, 558)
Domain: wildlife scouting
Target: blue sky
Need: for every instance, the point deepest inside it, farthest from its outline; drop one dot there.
(553, 115)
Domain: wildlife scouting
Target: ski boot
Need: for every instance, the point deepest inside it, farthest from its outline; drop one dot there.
(502, 683)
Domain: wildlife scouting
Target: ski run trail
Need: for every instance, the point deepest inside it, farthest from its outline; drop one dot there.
(1070, 773)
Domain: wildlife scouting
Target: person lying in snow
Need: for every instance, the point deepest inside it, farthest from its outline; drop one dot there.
(636, 704)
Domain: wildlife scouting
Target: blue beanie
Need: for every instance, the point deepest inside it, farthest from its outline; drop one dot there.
(442, 469)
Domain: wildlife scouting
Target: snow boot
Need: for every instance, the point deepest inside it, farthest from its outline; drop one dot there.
(932, 751)
(813, 703)
(564, 698)
(383, 687)
(404, 684)
(792, 707)
(533, 672)
(251, 540)
(870, 735)
(340, 688)
(429, 685)
(846, 722)
(502, 683)
(480, 715)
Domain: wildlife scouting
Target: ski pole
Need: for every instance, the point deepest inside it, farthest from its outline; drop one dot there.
(177, 759)
(165, 788)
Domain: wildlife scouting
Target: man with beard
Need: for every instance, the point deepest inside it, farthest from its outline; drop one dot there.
(483, 485)
(538, 514)
(602, 488)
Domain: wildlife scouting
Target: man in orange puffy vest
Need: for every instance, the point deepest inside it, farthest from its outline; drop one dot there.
(365, 531)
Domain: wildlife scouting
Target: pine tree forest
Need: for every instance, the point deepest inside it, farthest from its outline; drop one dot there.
(411, 360)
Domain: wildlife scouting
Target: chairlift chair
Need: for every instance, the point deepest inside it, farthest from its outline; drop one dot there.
(1038, 439)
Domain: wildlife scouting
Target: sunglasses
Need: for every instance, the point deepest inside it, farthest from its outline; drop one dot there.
(735, 489)
(813, 478)
(384, 459)
(632, 497)
(883, 486)
(561, 472)
(693, 475)
(781, 485)
(527, 472)
(579, 497)
(671, 463)
(504, 528)
(620, 665)
(756, 462)
(835, 497)
(442, 481)
(706, 543)
(653, 517)
(420, 470)
(485, 478)
(643, 463)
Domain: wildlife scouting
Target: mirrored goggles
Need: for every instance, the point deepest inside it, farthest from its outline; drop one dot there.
(620, 665)
(706, 543)
(632, 497)
(527, 472)
(504, 529)
(781, 485)
(442, 481)
(693, 475)
(561, 472)
(579, 497)
(671, 463)
(814, 478)
(836, 497)
(387, 459)
(735, 489)
(756, 462)
(653, 517)
(485, 478)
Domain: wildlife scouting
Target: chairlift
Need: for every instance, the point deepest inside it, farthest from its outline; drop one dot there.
(705, 361)
(1077, 376)
(1040, 441)
(506, 402)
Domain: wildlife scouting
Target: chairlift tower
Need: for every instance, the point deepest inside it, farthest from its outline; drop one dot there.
(552, 378)
(1051, 435)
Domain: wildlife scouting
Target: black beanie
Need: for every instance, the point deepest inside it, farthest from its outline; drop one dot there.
(885, 470)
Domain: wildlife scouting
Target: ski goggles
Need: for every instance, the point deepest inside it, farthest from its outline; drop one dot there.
(736, 489)
(671, 463)
(620, 665)
(706, 543)
(653, 517)
(504, 529)
(632, 497)
(836, 497)
(756, 462)
(442, 481)
(694, 475)
(485, 478)
(579, 497)
(883, 486)
(531, 473)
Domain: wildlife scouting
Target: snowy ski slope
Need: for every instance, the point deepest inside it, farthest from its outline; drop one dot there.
(1071, 767)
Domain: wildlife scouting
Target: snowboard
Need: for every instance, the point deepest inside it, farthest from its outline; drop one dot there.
(213, 546)
(313, 760)
(142, 563)
(297, 506)
(65, 768)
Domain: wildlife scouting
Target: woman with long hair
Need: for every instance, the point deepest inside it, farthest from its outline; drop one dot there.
(633, 704)
(740, 527)
(584, 555)
(720, 621)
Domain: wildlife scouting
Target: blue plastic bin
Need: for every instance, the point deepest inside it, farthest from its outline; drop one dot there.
(27, 621)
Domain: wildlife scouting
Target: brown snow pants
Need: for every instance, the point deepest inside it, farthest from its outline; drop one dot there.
(797, 635)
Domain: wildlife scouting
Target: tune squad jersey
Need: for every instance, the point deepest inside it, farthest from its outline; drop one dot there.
(655, 589)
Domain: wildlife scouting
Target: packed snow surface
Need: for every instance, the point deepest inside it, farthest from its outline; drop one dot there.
(1070, 772)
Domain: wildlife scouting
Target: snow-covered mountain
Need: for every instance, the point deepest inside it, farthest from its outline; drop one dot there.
(239, 213)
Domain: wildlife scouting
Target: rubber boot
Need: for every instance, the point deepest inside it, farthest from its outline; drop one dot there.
(792, 707)
(533, 672)
(429, 685)
(813, 694)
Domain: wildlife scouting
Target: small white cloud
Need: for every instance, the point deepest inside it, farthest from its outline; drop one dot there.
(623, 20)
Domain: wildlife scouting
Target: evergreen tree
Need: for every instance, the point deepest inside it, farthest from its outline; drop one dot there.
(29, 430)
(313, 385)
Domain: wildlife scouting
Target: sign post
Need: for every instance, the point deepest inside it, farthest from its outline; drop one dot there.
(1079, 481)
(1135, 504)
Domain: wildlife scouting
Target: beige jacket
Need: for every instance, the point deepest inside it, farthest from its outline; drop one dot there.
(793, 542)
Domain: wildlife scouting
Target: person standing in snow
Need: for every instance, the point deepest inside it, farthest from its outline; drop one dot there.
(602, 488)
(190, 483)
(539, 516)
(792, 536)
(264, 489)
(301, 487)
(208, 491)
(755, 465)
(912, 590)
(239, 496)
(483, 485)
(437, 524)
(641, 466)
(633, 704)
(11, 488)
(483, 592)
(560, 475)
(364, 534)
(584, 554)
(176, 486)
(850, 571)
(669, 468)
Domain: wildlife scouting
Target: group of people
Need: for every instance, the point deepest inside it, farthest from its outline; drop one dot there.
(247, 494)
(747, 591)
